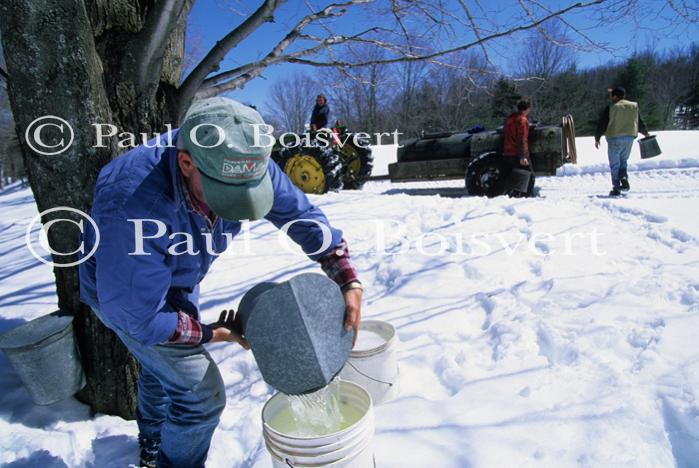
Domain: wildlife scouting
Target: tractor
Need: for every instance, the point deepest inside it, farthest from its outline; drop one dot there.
(329, 159)
(476, 156)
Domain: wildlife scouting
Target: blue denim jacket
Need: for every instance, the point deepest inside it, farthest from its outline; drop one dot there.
(131, 291)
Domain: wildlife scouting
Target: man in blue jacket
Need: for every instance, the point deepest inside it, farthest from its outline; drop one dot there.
(163, 215)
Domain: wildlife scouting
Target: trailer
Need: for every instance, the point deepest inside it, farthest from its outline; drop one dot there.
(476, 156)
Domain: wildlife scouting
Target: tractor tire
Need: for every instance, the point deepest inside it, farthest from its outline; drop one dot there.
(357, 163)
(485, 175)
(312, 169)
(280, 156)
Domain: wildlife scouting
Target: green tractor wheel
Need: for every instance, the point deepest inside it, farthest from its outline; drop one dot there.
(357, 163)
(313, 170)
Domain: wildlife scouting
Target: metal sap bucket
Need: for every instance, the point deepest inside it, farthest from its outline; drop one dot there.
(649, 147)
(45, 355)
(296, 331)
(519, 180)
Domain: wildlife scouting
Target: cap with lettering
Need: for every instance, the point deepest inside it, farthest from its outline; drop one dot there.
(219, 135)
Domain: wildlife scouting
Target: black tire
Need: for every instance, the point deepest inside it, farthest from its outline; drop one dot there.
(485, 175)
(356, 156)
(280, 156)
(304, 165)
(281, 153)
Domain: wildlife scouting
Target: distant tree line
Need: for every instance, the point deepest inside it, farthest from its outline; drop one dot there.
(467, 90)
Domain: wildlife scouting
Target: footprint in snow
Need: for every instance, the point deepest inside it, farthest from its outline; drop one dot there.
(690, 295)
(682, 429)
(536, 268)
(681, 235)
(470, 272)
(542, 247)
(554, 351)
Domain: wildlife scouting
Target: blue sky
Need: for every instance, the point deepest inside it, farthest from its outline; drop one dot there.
(210, 20)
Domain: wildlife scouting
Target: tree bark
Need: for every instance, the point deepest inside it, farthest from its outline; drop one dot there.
(69, 58)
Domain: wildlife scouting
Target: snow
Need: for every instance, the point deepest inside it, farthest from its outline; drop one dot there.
(554, 331)
(679, 151)
(383, 156)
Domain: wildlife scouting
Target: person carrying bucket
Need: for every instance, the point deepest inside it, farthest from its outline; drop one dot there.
(620, 123)
(145, 290)
(516, 147)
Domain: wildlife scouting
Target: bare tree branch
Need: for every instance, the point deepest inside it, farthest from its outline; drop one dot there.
(274, 56)
(153, 40)
(476, 31)
(253, 69)
(414, 58)
(238, 77)
(536, 14)
(211, 62)
(683, 14)
(399, 19)
(591, 42)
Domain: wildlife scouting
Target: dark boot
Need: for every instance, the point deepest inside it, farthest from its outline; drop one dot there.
(615, 192)
(149, 451)
(625, 184)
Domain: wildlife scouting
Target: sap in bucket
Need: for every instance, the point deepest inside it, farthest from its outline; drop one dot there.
(297, 335)
(373, 363)
(347, 446)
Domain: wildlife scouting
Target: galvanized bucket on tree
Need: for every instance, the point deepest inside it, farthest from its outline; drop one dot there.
(649, 147)
(296, 331)
(44, 354)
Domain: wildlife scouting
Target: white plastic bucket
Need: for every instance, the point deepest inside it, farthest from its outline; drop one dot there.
(375, 369)
(349, 448)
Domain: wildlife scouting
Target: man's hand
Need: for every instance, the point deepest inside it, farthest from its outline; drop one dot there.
(223, 330)
(596, 144)
(353, 311)
(524, 161)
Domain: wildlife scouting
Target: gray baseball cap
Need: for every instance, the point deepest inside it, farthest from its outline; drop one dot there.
(219, 135)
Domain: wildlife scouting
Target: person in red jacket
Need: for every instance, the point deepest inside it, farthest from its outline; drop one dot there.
(516, 143)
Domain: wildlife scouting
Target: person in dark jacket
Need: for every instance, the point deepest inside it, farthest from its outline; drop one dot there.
(320, 114)
(516, 143)
(164, 214)
(620, 123)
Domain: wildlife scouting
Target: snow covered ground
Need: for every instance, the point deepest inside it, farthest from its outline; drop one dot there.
(555, 331)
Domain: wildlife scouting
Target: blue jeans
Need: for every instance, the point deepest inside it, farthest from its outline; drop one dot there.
(618, 151)
(180, 398)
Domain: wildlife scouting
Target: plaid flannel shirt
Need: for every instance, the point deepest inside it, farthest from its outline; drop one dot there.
(338, 265)
(190, 331)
